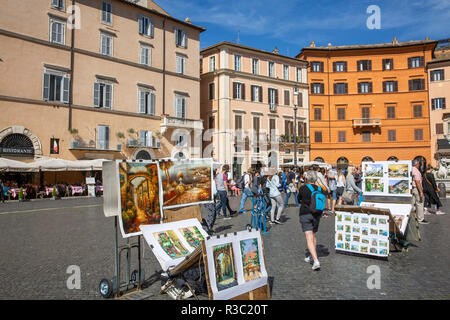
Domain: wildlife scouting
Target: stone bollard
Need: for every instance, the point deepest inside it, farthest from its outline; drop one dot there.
(443, 191)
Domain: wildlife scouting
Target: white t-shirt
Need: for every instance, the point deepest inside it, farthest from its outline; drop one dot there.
(340, 181)
(247, 181)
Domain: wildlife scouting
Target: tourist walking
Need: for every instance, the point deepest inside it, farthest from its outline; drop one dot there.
(291, 188)
(332, 184)
(310, 220)
(273, 183)
(430, 191)
(351, 189)
(246, 192)
(223, 191)
(340, 185)
(417, 191)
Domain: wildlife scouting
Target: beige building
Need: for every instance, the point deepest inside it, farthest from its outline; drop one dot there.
(439, 95)
(119, 81)
(247, 102)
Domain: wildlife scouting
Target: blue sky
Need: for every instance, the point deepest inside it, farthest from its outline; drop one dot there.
(293, 24)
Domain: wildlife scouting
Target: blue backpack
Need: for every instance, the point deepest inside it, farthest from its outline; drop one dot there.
(318, 200)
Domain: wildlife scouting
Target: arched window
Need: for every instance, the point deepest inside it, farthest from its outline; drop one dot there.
(342, 160)
(143, 155)
(319, 159)
(17, 144)
(367, 159)
(392, 158)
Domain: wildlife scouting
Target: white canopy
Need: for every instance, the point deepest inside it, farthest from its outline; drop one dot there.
(307, 164)
(51, 164)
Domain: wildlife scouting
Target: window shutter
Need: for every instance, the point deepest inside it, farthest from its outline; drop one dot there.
(234, 90)
(184, 39)
(321, 67)
(433, 104)
(106, 140)
(300, 99)
(97, 95)
(243, 91)
(443, 103)
(276, 96)
(142, 134)
(395, 86)
(370, 87)
(141, 25)
(369, 65)
(334, 66)
(359, 87)
(260, 94)
(183, 108)
(409, 63)
(141, 101)
(335, 88)
(422, 61)
(108, 91)
(422, 84)
(268, 95)
(410, 83)
(176, 36)
(346, 88)
(152, 104)
(252, 93)
(46, 87)
(152, 28)
(101, 137)
(65, 91)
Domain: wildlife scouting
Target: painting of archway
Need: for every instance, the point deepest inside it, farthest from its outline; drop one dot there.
(224, 266)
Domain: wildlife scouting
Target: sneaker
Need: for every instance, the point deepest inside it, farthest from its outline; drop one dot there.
(278, 222)
(309, 259)
(424, 222)
(226, 218)
(234, 214)
(426, 212)
(439, 212)
(316, 265)
(271, 222)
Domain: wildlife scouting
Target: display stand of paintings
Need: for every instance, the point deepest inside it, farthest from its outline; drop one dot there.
(387, 178)
(362, 233)
(235, 265)
(172, 242)
(400, 213)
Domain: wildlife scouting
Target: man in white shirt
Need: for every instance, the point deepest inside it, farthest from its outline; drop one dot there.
(246, 193)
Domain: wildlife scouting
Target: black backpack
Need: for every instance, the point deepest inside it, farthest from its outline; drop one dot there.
(240, 183)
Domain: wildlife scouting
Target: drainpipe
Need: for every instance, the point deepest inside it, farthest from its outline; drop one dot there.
(72, 60)
(329, 98)
(164, 67)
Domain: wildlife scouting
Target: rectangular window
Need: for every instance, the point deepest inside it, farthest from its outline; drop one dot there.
(318, 136)
(145, 56)
(341, 113)
(212, 64)
(317, 88)
(106, 44)
(388, 64)
(366, 136)
(272, 129)
(181, 64)
(317, 114)
(365, 114)
(103, 95)
(271, 69)
(437, 75)
(57, 31)
(180, 38)
(286, 72)
(212, 91)
(364, 65)
(418, 134)
(437, 103)
(416, 84)
(103, 137)
(416, 62)
(180, 107)
(106, 12)
(56, 87)
(146, 138)
(58, 4)
(146, 26)
(417, 111)
(238, 91)
(390, 86)
(288, 128)
(256, 93)
(439, 128)
(237, 63)
(364, 87)
(255, 66)
(392, 135)
(299, 75)
(342, 137)
(340, 88)
(316, 66)
(273, 98)
(238, 122)
(391, 112)
(340, 66)
(146, 102)
(287, 97)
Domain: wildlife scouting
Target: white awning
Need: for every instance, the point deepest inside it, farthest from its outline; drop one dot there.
(50, 164)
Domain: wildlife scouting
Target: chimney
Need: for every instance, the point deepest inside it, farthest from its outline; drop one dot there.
(275, 51)
(329, 44)
(312, 44)
(427, 38)
(395, 41)
(188, 20)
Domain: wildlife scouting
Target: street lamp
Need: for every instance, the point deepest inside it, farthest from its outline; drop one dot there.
(295, 124)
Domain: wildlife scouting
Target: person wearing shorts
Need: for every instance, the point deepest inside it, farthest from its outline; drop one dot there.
(308, 220)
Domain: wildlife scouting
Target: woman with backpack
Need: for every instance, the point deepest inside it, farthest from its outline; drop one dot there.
(310, 195)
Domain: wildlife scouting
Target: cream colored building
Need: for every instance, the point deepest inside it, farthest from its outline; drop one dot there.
(439, 95)
(247, 103)
(119, 81)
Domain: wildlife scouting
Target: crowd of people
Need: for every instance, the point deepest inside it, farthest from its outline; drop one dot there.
(9, 190)
(342, 186)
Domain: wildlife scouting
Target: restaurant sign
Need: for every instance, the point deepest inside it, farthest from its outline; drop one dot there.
(17, 151)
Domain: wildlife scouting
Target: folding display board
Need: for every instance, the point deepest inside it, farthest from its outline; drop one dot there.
(399, 212)
(235, 265)
(360, 231)
(172, 242)
(387, 178)
(185, 182)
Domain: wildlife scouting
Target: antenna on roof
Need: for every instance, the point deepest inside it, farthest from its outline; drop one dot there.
(239, 36)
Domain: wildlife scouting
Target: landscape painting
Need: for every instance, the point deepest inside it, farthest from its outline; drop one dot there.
(185, 182)
(225, 269)
(372, 170)
(139, 200)
(251, 259)
(192, 235)
(399, 186)
(374, 185)
(398, 171)
(171, 245)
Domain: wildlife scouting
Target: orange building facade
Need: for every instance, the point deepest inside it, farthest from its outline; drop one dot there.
(369, 102)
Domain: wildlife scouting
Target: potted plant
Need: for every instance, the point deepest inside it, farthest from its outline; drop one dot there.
(75, 142)
(120, 136)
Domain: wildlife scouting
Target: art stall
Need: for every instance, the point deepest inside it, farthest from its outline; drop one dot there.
(160, 201)
(385, 216)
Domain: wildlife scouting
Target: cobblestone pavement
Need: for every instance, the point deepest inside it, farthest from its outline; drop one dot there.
(41, 239)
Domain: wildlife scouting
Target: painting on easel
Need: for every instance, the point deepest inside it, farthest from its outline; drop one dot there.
(251, 259)
(225, 269)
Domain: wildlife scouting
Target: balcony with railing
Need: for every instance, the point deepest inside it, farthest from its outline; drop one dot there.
(291, 139)
(92, 145)
(366, 122)
(180, 123)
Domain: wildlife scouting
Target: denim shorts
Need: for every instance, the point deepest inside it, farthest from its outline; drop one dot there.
(334, 194)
